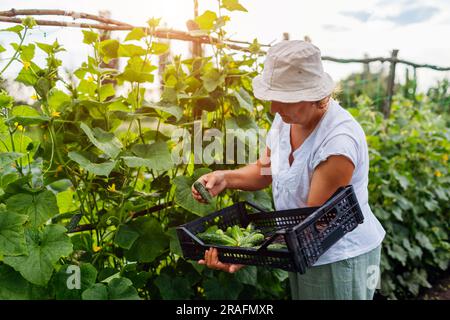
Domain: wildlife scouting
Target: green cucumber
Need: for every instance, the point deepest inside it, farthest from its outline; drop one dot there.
(252, 240)
(203, 191)
(217, 238)
(277, 246)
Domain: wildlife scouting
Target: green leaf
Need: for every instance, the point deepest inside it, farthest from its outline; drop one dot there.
(24, 110)
(135, 34)
(109, 49)
(12, 285)
(64, 284)
(137, 70)
(152, 240)
(16, 29)
(29, 22)
(44, 250)
(413, 250)
(279, 274)
(248, 275)
(99, 169)
(87, 88)
(65, 201)
(42, 87)
(105, 141)
(174, 242)
(183, 197)
(398, 253)
(159, 48)
(21, 142)
(244, 99)
(12, 238)
(47, 48)
(244, 128)
(106, 91)
(131, 50)
(424, 241)
(98, 291)
(154, 156)
(206, 20)
(6, 158)
(90, 37)
(29, 121)
(260, 198)
(153, 22)
(122, 289)
(26, 115)
(173, 288)
(233, 5)
(173, 110)
(39, 207)
(223, 287)
(404, 182)
(28, 76)
(6, 101)
(431, 205)
(57, 99)
(397, 212)
(125, 236)
(2, 49)
(27, 52)
(212, 79)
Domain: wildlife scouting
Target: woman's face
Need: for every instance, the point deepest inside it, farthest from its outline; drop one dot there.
(303, 113)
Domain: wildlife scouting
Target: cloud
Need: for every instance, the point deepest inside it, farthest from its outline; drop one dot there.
(414, 15)
(335, 28)
(391, 2)
(362, 16)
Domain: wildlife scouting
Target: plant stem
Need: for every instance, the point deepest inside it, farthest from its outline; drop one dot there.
(14, 57)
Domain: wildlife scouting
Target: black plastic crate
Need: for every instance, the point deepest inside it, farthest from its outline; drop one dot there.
(307, 232)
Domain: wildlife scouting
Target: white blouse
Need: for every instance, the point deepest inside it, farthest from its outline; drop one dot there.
(337, 133)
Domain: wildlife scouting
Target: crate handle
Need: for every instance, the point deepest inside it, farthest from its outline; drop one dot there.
(255, 206)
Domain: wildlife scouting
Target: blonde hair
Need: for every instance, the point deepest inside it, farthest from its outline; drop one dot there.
(322, 103)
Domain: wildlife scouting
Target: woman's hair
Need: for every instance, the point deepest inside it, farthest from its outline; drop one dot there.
(324, 101)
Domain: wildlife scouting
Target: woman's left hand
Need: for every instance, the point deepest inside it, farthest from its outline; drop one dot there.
(211, 260)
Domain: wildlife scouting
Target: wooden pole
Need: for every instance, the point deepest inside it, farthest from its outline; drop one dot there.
(196, 45)
(391, 84)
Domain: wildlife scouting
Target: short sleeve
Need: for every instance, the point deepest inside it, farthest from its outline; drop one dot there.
(342, 144)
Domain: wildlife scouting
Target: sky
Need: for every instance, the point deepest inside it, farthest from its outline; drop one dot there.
(419, 29)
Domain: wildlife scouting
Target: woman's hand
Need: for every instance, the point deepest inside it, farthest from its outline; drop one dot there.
(211, 260)
(214, 182)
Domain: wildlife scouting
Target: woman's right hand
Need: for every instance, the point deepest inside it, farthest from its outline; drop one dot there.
(214, 182)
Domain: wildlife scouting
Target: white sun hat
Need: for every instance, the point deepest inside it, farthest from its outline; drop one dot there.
(293, 72)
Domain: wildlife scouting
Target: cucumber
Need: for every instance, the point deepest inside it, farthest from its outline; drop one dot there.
(277, 246)
(203, 192)
(217, 238)
(236, 233)
(233, 236)
(250, 227)
(252, 240)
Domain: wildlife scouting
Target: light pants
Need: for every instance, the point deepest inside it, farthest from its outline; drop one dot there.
(351, 279)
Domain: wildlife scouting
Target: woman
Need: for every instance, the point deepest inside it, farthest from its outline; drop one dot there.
(313, 147)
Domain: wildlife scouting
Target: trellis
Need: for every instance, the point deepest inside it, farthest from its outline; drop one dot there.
(107, 24)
